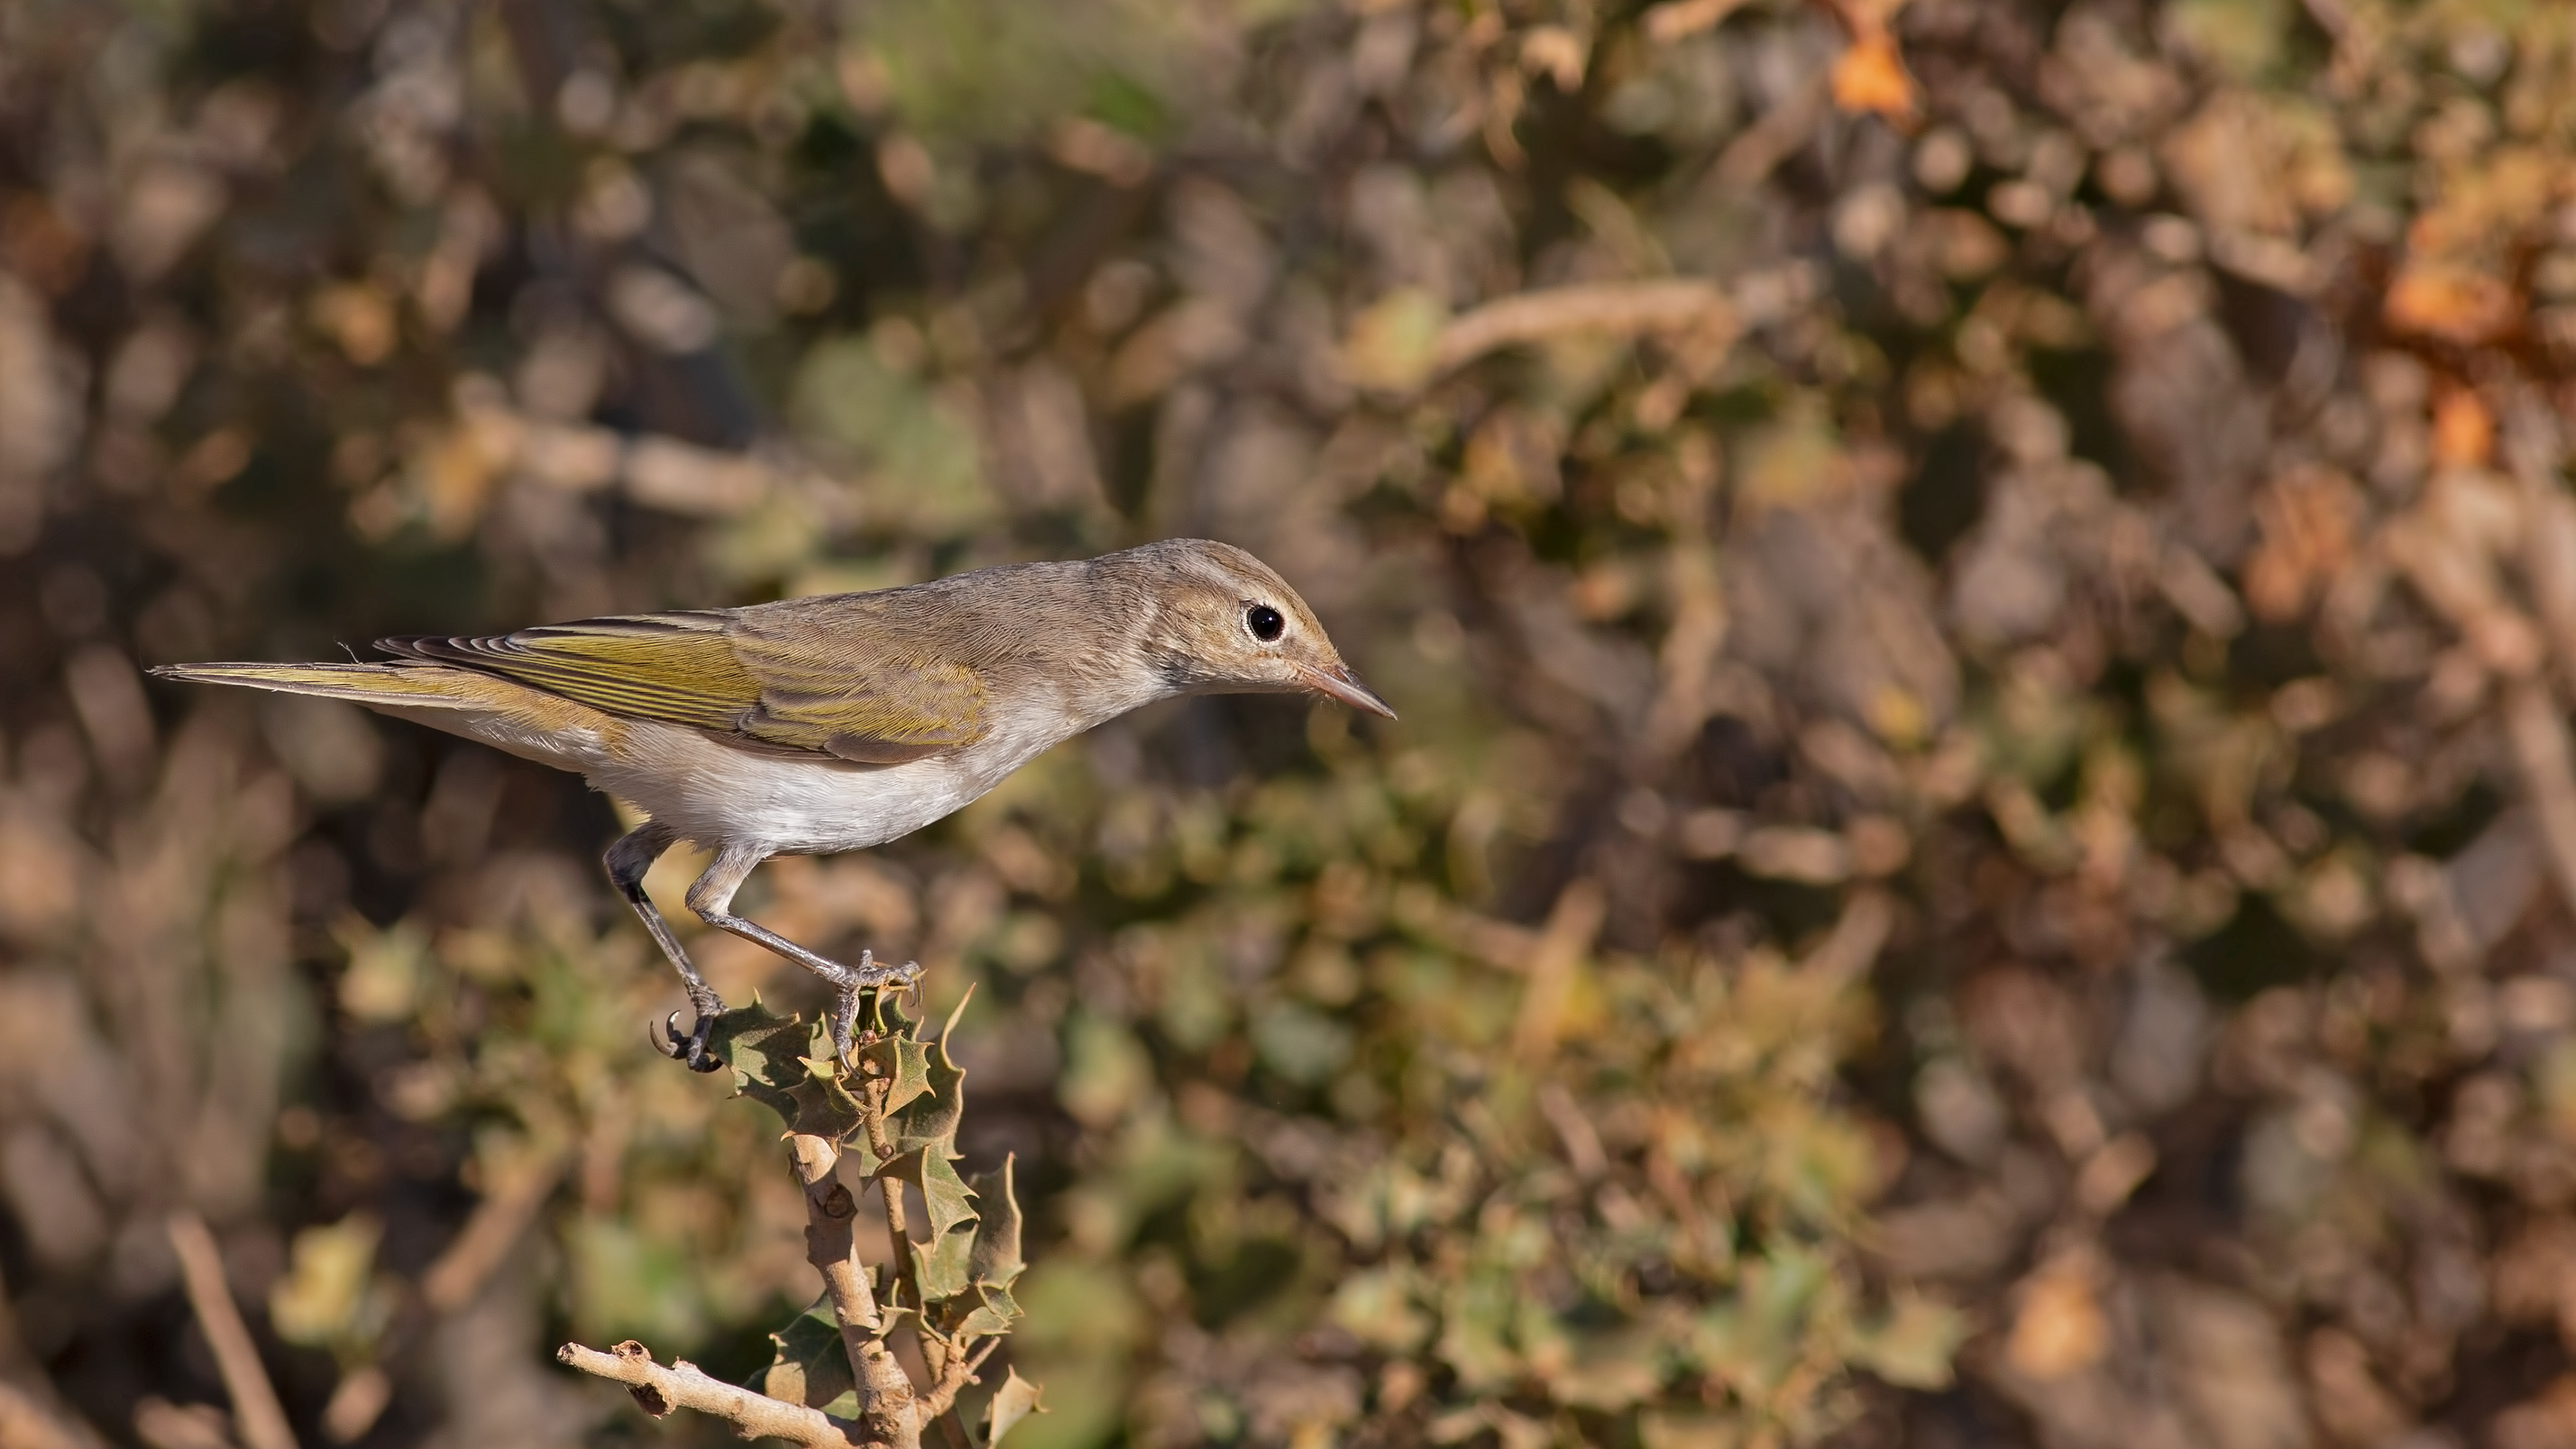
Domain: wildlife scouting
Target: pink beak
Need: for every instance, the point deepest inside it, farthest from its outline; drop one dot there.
(1339, 683)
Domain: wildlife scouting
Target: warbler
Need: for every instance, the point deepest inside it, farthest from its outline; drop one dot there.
(816, 725)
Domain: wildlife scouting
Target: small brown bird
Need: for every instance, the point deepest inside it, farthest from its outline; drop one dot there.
(817, 725)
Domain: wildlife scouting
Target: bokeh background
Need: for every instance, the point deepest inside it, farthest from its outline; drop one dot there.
(1982, 592)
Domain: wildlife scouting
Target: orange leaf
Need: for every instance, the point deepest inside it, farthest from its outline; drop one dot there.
(1871, 77)
(2450, 303)
(2307, 519)
(2059, 1329)
(2463, 430)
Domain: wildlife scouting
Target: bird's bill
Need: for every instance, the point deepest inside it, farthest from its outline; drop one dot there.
(1339, 683)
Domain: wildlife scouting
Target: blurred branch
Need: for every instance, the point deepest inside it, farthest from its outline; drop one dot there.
(2533, 723)
(2542, 752)
(1572, 923)
(1592, 307)
(1677, 19)
(1776, 137)
(256, 1411)
(165, 1425)
(488, 1236)
(2533, 453)
(26, 1422)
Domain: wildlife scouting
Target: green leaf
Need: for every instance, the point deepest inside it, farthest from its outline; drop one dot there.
(905, 1061)
(996, 1260)
(1912, 1347)
(1015, 1400)
(1394, 344)
(824, 1108)
(924, 1106)
(1751, 1341)
(995, 1314)
(1377, 1306)
(807, 1363)
(1475, 1316)
(767, 1054)
(1609, 1370)
(331, 1294)
(930, 1118)
(941, 1272)
(947, 1196)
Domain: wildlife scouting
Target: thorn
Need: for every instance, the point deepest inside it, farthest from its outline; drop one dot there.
(951, 1025)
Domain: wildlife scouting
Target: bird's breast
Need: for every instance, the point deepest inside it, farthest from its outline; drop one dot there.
(717, 794)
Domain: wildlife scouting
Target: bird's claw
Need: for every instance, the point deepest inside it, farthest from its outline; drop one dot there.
(845, 1028)
(865, 977)
(688, 1046)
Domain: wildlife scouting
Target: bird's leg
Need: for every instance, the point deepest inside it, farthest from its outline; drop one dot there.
(628, 860)
(713, 895)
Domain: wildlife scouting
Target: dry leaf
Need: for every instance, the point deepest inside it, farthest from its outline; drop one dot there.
(2060, 1329)
(2463, 429)
(2451, 304)
(1871, 77)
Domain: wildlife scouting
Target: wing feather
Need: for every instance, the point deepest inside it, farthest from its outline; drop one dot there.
(863, 693)
(778, 677)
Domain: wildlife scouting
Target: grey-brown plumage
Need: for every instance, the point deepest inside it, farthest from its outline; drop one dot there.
(816, 725)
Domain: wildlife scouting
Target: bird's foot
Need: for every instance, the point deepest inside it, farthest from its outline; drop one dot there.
(868, 975)
(690, 1046)
(845, 1027)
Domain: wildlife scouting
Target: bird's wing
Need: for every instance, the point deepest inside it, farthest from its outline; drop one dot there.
(866, 682)
(828, 691)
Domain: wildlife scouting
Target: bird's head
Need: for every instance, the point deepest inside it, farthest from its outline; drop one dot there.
(1225, 623)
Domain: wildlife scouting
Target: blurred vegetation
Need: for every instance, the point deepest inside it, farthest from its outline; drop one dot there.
(1982, 846)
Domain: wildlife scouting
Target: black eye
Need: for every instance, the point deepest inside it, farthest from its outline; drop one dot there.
(1265, 623)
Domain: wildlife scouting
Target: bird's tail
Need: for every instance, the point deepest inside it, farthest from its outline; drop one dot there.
(401, 686)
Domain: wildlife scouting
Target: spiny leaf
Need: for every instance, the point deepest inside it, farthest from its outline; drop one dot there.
(807, 1364)
(957, 1013)
(1015, 1400)
(941, 1271)
(996, 1259)
(901, 1060)
(930, 1120)
(884, 1015)
(802, 1086)
(824, 1107)
(994, 1313)
(947, 1196)
(766, 1052)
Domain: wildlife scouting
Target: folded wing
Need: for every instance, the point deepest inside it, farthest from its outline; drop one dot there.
(844, 692)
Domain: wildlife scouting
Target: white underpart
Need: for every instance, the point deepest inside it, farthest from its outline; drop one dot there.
(718, 795)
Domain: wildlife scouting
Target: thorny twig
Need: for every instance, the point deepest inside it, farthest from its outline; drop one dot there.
(503, 1214)
(893, 1410)
(28, 1422)
(661, 1388)
(952, 1369)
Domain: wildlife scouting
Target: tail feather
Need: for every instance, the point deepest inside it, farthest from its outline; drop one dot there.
(397, 685)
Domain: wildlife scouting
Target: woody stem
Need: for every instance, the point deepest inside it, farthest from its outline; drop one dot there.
(934, 1347)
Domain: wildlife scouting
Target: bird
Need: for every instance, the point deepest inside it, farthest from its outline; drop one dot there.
(816, 725)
